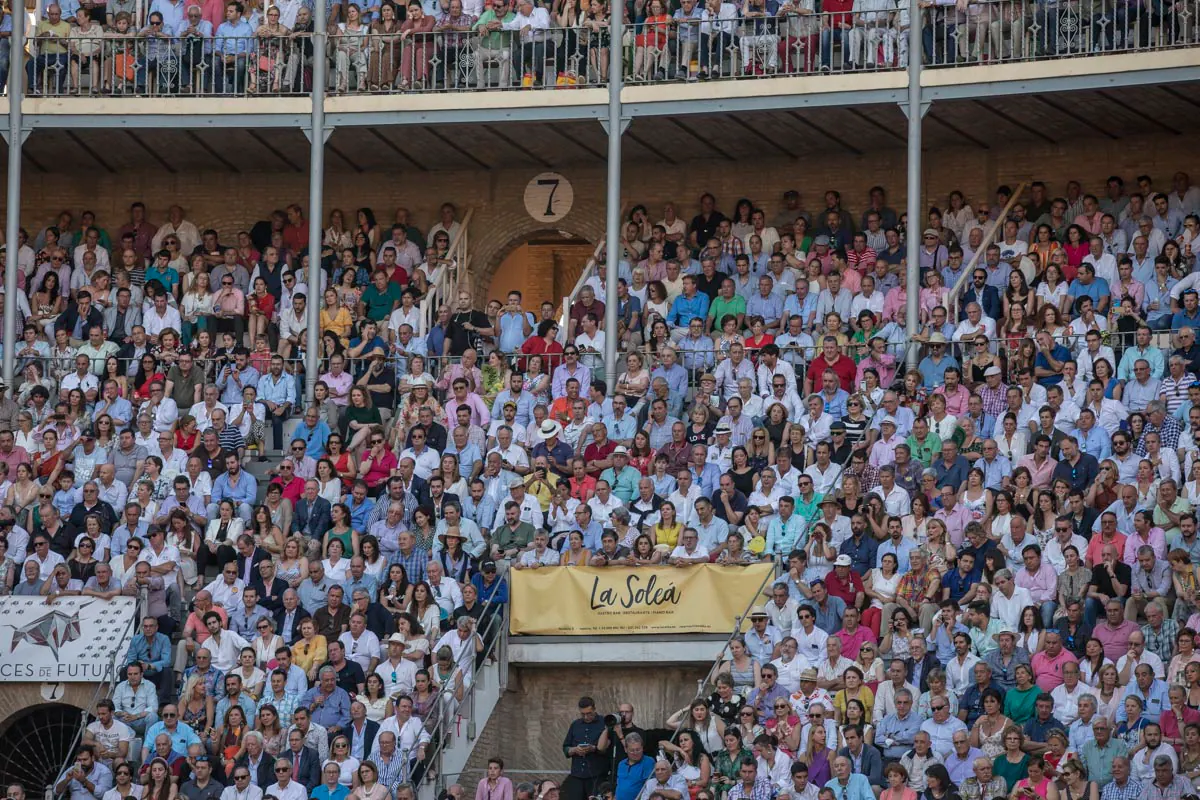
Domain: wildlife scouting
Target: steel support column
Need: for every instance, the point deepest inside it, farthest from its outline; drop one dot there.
(916, 221)
(316, 177)
(16, 140)
(612, 254)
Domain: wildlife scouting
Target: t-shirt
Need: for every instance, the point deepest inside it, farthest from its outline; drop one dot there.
(379, 304)
(110, 738)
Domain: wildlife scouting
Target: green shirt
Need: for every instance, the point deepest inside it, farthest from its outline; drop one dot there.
(496, 40)
(927, 452)
(1019, 705)
(379, 304)
(1011, 772)
(722, 307)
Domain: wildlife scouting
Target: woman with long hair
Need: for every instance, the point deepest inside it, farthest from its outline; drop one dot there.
(727, 761)
(988, 732)
(424, 607)
(1019, 702)
(273, 733)
(375, 698)
(158, 783)
(229, 739)
(818, 755)
(742, 666)
(698, 717)
(1110, 696)
(1030, 629)
(880, 587)
(690, 759)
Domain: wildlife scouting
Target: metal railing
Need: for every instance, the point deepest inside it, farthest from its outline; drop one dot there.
(460, 54)
(447, 278)
(104, 687)
(997, 227)
(459, 719)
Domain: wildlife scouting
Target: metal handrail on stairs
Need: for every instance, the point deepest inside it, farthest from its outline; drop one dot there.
(449, 280)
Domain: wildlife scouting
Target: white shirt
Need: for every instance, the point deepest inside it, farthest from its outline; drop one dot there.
(361, 650)
(810, 647)
(968, 328)
(896, 502)
(1008, 609)
(169, 553)
(225, 652)
(824, 482)
(252, 792)
(397, 677)
(1141, 766)
(229, 596)
(156, 325)
(424, 463)
(1066, 703)
(293, 791)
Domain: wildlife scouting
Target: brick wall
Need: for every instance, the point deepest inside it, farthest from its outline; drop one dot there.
(231, 202)
(529, 723)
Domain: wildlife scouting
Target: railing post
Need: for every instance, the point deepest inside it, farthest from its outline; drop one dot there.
(16, 141)
(612, 258)
(316, 177)
(915, 218)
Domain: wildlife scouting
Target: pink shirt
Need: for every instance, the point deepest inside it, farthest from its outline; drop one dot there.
(955, 521)
(1047, 671)
(1042, 585)
(339, 387)
(479, 413)
(956, 404)
(1115, 640)
(884, 451)
(894, 303)
(1155, 538)
(1041, 475)
(851, 642)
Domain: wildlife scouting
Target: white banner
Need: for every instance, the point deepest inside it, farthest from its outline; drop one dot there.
(71, 639)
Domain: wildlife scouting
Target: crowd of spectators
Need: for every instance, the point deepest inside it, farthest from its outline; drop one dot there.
(985, 560)
(213, 46)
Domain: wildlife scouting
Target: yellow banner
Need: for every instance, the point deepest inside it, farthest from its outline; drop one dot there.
(577, 601)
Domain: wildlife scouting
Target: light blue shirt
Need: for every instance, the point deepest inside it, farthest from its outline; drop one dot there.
(1154, 700)
(770, 308)
(1095, 442)
(231, 390)
(120, 410)
(805, 308)
(1153, 357)
(246, 490)
(277, 391)
(233, 39)
(900, 731)
(624, 485)
(784, 537)
(315, 437)
(174, 18)
(512, 331)
(857, 788)
(623, 428)
(524, 402)
(995, 471)
(713, 534)
(467, 457)
(696, 353)
(685, 309)
(901, 553)
(708, 479)
(181, 737)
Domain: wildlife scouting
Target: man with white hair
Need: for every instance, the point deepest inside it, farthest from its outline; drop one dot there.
(975, 324)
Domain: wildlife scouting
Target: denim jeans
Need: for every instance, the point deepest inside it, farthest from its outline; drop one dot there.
(828, 37)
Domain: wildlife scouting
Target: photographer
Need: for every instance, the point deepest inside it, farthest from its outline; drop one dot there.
(586, 743)
(620, 727)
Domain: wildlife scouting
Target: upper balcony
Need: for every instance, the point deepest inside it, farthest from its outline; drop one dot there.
(739, 61)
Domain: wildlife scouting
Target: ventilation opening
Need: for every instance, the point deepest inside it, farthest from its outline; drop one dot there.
(35, 744)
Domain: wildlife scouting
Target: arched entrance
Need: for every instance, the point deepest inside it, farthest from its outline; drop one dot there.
(35, 743)
(543, 265)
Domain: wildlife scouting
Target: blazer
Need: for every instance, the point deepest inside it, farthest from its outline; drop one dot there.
(312, 520)
(266, 768)
(309, 775)
(66, 322)
(370, 729)
(301, 614)
(270, 597)
(258, 555)
(930, 662)
(872, 763)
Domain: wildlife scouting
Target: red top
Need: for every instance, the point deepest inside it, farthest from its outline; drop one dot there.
(846, 589)
(595, 452)
(844, 367)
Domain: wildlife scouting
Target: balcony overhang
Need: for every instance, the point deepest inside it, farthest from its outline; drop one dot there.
(1159, 68)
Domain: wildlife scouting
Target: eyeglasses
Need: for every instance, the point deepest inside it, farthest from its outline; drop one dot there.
(281, 770)
(168, 715)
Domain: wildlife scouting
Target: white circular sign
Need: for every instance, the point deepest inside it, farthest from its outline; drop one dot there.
(53, 692)
(548, 197)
